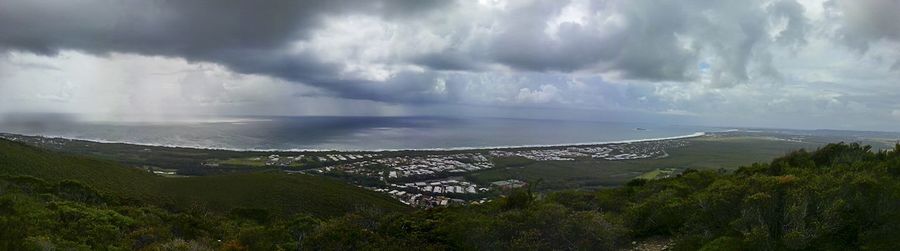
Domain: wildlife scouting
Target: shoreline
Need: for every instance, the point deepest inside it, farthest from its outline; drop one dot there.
(438, 149)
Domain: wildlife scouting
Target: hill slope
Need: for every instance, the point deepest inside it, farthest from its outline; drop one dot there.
(839, 197)
(276, 192)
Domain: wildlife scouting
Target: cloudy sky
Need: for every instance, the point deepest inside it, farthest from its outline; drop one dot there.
(781, 63)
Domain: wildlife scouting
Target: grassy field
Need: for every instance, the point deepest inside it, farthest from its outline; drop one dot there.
(651, 175)
(703, 153)
(275, 191)
(252, 161)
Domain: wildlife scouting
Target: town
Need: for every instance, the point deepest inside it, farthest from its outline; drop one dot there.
(438, 179)
(623, 151)
(416, 178)
(423, 181)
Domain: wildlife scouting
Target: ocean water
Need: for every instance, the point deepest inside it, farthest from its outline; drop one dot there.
(350, 133)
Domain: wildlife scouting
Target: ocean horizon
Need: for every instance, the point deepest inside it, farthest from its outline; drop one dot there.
(320, 133)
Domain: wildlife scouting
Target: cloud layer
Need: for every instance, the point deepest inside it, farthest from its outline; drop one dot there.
(701, 61)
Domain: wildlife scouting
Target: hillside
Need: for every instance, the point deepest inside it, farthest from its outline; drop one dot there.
(280, 193)
(708, 152)
(841, 196)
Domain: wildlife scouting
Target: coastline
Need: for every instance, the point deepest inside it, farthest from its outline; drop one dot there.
(438, 149)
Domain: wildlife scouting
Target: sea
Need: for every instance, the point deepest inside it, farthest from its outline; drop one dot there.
(349, 133)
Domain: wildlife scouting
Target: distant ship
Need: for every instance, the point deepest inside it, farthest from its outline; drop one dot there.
(640, 129)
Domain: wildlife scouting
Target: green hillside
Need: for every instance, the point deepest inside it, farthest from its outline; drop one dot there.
(275, 191)
(839, 197)
(702, 153)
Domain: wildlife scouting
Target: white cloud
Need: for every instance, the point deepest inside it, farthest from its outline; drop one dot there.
(546, 94)
(130, 85)
(773, 62)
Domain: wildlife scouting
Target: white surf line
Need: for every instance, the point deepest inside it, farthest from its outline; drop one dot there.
(444, 149)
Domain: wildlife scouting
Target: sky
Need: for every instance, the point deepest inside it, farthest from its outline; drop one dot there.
(785, 63)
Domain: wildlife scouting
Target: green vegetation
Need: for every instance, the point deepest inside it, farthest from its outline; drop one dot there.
(702, 153)
(842, 196)
(651, 175)
(254, 161)
(274, 191)
(657, 174)
(185, 161)
(68, 215)
(261, 161)
(512, 162)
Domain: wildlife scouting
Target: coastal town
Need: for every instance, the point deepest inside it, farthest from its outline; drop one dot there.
(625, 151)
(417, 178)
(439, 179)
(422, 181)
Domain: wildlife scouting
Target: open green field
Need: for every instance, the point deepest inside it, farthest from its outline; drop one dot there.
(258, 161)
(651, 175)
(187, 161)
(253, 161)
(275, 191)
(656, 174)
(708, 152)
(250, 161)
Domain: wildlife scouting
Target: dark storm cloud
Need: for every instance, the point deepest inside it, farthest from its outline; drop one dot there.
(796, 25)
(449, 61)
(734, 60)
(403, 87)
(246, 36)
(183, 28)
(522, 42)
(642, 44)
(651, 40)
(867, 21)
(640, 39)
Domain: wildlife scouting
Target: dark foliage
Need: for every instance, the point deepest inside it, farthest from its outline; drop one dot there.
(843, 196)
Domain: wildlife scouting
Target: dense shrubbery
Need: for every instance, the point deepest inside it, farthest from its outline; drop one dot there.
(841, 196)
(281, 194)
